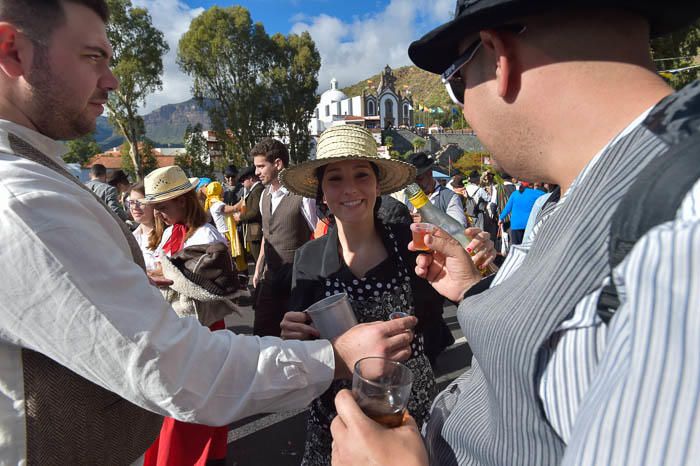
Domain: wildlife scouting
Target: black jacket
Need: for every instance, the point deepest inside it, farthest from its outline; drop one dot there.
(318, 260)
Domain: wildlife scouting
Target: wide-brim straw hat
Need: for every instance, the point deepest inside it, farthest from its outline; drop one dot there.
(166, 183)
(347, 142)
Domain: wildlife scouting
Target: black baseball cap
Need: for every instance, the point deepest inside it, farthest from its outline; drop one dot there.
(437, 50)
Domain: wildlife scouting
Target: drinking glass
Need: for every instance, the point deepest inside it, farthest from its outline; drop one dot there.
(381, 388)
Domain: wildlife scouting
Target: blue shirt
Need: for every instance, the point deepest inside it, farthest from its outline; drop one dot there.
(519, 206)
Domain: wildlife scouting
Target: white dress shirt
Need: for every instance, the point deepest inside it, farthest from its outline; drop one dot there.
(72, 292)
(149, 256)
(308, 205)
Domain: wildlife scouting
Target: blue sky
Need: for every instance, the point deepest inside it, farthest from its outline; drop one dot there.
(280, 15)
(355, 38)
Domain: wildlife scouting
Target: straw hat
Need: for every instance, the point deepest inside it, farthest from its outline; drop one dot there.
(347, 142)
(167, 183)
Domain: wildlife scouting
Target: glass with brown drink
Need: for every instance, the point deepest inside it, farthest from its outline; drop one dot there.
(381, 388)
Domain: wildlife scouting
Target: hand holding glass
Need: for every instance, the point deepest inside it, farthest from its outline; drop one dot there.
(381, 388)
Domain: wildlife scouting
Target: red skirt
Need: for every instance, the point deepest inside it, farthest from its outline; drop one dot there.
(184, 444)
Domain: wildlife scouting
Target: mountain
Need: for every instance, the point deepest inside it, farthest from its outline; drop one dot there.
(426, 88)
(165, 126)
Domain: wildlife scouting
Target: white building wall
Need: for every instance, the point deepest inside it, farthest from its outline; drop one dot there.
(356, 106)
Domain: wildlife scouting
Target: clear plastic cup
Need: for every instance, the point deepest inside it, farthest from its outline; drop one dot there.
(419, 230)
(332, 316)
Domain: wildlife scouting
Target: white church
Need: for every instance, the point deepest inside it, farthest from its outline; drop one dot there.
(377, 109)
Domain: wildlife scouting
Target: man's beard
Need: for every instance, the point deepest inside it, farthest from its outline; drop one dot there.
(51, 110)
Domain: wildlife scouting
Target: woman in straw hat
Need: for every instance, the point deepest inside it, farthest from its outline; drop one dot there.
(359, 256)
(177, 207)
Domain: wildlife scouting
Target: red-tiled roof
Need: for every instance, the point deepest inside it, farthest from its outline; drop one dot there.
(112, 160)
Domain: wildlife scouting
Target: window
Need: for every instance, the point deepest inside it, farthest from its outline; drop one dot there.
(370, 108)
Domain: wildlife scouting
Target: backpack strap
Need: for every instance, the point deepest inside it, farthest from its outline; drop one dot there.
(653, 199)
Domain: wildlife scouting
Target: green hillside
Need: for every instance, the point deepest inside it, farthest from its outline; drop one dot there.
(425, 87)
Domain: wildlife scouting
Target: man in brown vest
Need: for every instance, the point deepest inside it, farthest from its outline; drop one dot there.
(92, 356)
(288, 221)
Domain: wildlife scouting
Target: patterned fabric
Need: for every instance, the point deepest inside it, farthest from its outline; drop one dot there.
(383, 290)
(493, 413)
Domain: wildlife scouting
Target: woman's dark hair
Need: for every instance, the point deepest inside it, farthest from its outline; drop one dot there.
(322, 210)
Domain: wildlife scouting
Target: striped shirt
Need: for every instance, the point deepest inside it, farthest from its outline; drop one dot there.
(548, 380)
(572, 356)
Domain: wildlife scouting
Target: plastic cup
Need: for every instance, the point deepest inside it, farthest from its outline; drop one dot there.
(381, 388)
(419, 230)
(398, 315)
(332, 316)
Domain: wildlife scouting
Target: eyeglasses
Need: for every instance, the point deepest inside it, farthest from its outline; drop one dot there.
(452, 78)
(134, 204)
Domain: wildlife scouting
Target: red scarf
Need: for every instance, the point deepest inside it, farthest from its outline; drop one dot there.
(177, 239)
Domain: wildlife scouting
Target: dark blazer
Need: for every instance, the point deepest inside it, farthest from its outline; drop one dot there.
(319, 259)
(109, 196)
(252, 218)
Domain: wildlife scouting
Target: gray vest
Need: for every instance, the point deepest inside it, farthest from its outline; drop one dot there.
(284, 231)
(442, 200)
(492, 415)
(70, 420)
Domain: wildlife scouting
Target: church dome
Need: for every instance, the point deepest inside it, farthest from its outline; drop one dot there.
(332, 94)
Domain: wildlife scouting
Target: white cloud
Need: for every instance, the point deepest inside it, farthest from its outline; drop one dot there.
(173, 18)
(352, 51)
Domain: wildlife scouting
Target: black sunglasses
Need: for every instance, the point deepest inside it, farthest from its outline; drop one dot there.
(452, 78)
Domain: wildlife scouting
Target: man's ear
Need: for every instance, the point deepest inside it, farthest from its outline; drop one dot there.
(507, 80)
(15, 51)
(279, 165)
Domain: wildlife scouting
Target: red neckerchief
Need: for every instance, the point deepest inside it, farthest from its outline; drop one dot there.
(177, 239)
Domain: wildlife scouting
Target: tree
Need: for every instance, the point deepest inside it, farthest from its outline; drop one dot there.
(148, 159)
(389, 142)
(679, 50)
(195, 161)
(418, 144)
(228, 57)
(82, 149)
(138, 64)
(470, 161)
(293, 83)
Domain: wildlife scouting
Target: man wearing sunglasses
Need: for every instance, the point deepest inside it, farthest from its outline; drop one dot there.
(566, 93)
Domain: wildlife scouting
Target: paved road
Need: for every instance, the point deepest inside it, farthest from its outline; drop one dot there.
(278, 439)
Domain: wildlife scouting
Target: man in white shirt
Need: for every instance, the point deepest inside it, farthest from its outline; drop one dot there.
(288, 221)
(88, 347)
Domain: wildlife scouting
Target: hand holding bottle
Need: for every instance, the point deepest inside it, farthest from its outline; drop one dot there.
(448, 268)
(481, 248)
